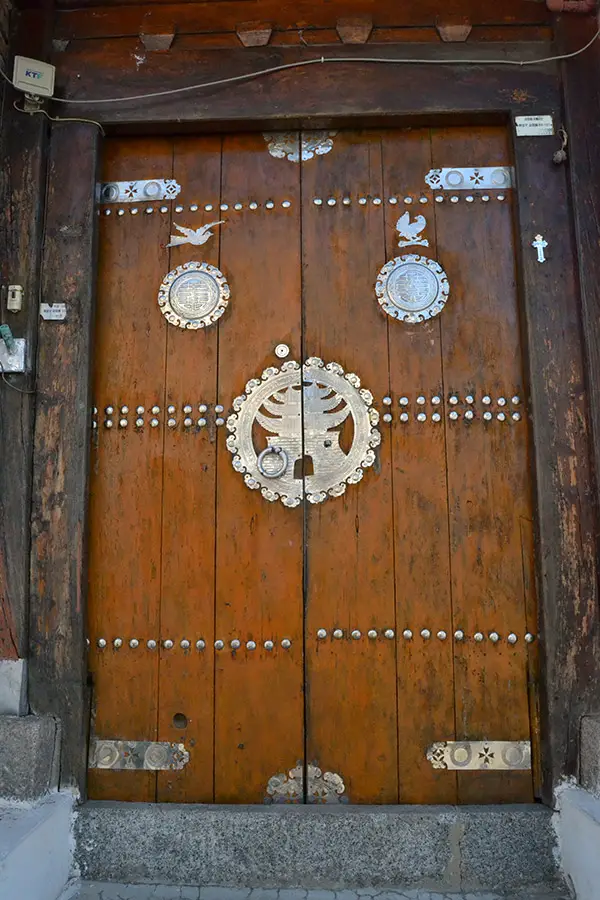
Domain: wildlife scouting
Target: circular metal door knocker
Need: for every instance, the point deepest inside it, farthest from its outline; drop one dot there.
(412, 288)
(194, 295)
(272, 462)
(316, 427)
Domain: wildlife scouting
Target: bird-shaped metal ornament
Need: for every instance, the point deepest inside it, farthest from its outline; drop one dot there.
(411, 231)
(196, 236)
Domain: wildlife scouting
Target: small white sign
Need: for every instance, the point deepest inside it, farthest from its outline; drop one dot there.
(53, 312)
(539, 126)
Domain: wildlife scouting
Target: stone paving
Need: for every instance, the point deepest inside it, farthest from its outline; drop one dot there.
(93, 890)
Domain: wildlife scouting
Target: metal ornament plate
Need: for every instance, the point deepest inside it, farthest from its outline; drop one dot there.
(322, 396)
(135, 191)
(321, 787)
(412, 288)
(294, 146)
(480, 755)
(153, 755)
(489, 178)
(194, 295)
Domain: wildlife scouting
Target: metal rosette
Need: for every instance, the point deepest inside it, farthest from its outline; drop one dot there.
(412, 288)
(194, 295)
(329, 396)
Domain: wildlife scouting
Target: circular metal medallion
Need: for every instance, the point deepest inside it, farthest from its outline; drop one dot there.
(193, 295)
(286, 432)
(412, 288)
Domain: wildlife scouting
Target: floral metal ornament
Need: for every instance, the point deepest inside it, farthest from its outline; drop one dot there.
(194, 295)
(294, 415)
(480, 755)
(321, 787)
(412, 288)
(296, 146)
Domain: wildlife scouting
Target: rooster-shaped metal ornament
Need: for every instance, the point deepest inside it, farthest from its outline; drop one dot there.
(411, 231)
(196, 236)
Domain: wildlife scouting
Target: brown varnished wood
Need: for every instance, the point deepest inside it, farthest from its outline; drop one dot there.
(188, 506)
(111, 19)
(350, 684)
(259, 705)
(423, 598)
(57, 660)
(112, 69)
(488, 467)
(127, 465)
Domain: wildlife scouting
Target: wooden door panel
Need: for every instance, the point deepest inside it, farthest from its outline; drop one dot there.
(127, 470)
(487, 465)
(436, 538)
(259, 698)
(351, 691)
(420, 496)
(186, 686)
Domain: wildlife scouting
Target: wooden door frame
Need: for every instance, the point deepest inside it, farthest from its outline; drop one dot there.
(554, 358)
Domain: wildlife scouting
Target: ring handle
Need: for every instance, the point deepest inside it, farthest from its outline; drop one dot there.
(270, 472)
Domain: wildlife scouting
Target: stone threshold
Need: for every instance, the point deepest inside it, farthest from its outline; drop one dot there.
(440, 848)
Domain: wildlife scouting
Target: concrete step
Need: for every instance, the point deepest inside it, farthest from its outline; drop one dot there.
(94, 890)
(436, 848)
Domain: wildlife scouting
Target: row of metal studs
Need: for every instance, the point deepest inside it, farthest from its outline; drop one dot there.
(425, 633)
(200, 644)
(286, 204)
(155, 410)
(468, 414)
(378, 201)
(453, 400)
(337, 633)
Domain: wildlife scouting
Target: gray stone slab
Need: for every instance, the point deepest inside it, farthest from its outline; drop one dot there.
(266, 847)
(590, 754)
(13, 687)
(506, 846)
(29, 756)
(319, 848)
(99, 891)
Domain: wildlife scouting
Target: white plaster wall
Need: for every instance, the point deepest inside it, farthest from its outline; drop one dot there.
(578, 828)
(36, 848)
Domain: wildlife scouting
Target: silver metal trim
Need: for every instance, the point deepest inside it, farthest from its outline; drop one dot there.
(480, 755)
(135, 191)
(153, 755)
(468, 179)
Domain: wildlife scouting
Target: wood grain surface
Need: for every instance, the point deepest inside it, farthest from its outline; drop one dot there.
(437, 537)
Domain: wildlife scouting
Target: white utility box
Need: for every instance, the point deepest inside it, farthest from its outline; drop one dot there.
(33, 76)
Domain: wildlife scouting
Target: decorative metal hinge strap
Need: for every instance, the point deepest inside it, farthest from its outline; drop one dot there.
(154, 755)
(137, 191)
(480, 755)
(491, 178)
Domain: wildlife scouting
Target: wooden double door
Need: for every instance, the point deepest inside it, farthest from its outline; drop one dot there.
(280, 643)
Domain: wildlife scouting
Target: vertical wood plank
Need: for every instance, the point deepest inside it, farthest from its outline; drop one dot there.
(350, 684)
(23, 143)
(566, 513)
(488, 468)
(188, 516)
(423, 595)
(127, 481)
(259, 702)
(61, 447)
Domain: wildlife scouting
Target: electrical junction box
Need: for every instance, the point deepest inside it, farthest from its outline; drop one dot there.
(32, 76)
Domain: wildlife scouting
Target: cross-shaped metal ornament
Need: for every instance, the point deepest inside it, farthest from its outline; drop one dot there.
(540, 245)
